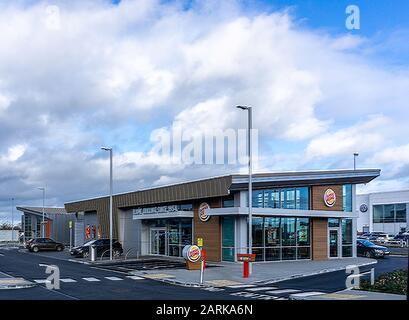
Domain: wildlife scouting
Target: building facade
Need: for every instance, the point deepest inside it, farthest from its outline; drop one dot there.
(57, 225)
(296, 216)
(383, 212)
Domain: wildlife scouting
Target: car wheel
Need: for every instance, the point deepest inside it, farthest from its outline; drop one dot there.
(368, 254)
(35, 249)
(59, 248)
(117, 253)
(85, 254)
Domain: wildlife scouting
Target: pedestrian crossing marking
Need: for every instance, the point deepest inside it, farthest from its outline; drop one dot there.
(91, 279)
(261, 289)
(282, 291)
(135, 277)
(307, 294)
(68, 280)
(113, 278)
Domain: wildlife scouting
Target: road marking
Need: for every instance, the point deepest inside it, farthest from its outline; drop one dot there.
(283, 291)
(114, 278)
(135, 277)
(91, 279)
(240, 286)
(42, 281)
(261, 289)
(68, 280)
(307, 294)
(158, 276)
(253, 295)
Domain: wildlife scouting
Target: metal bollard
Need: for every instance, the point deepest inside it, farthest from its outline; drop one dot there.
(93, 254)
(201, 271)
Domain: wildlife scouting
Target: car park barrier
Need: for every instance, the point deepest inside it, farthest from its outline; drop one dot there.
(93, 254)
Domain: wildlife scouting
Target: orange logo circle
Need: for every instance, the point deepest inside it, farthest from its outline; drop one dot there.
(330, 198)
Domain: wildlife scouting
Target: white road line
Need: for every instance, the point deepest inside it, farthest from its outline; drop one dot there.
(135, 277)
(68, 280)
(239, 286)
(307, 294)
(114, 278)
(91, 279)
(42, 281)
(282, 291)
(261, 289)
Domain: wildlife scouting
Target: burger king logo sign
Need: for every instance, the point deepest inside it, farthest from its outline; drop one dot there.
(202, 214)
(192, 253)
(330, 198)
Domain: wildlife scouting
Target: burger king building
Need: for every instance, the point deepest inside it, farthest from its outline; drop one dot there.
(296, 216)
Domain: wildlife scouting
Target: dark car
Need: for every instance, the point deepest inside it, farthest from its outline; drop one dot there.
(44, 244)
(401, 236)
(102, 246)
(368, 249)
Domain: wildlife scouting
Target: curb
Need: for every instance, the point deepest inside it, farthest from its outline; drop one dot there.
(16, 283)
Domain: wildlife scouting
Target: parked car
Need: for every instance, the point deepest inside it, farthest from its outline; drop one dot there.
(401, 236)
(379, 236)
(44, 244)
(369, 249)
(102, 246)
(364, 235)
(27, 243)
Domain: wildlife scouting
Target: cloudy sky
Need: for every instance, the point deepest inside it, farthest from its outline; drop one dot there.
(77, 75)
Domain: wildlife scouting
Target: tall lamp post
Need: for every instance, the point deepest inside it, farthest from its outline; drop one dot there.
(12, 219)
(110, 200)
(356, 154)
(250, 187)
(43, 222)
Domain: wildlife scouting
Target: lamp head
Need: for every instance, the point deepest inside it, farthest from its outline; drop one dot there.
(242, 107)
(106, 148)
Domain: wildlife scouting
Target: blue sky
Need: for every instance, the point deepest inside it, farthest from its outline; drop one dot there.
(76, 76)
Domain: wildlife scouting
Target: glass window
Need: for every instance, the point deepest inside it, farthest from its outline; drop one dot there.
(259, 252)
(273, 254)
(303, 232)
(288, 231)
(346, 231)
(347, 197)
(303, 252)
(388, 213)
(257, 199)
(272, 232)
(304, 198)
(289, 253)
(400, 210)
(347, 251)
(377, 213)
(258, 232)
(271, 199)
(333, 223)
(228, 251)
(228, 202)
(289, 199)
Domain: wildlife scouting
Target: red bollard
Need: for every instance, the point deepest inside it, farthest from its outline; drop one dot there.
(245, 269)
(204, 258)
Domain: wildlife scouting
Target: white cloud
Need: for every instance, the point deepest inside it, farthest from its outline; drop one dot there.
(15, 152)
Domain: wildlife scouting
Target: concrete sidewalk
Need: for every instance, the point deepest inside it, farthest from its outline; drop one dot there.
(223, 274)
(349, 294)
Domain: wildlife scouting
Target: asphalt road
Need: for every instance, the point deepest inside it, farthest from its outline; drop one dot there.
(20, 263)
(105, 284)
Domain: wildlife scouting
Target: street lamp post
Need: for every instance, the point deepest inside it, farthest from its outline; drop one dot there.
(12, 219)
(250, 187)
(110, 200)
(43, 222)
(356, 154)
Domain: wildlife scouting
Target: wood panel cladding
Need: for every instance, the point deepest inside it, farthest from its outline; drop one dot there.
(210, 230)
(319, 238)
(317, 197)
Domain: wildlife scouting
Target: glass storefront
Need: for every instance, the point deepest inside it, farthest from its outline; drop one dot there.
(169, 236)
(278, 238)
(340, 238)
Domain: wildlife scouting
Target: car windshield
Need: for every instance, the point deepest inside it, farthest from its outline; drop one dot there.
(367, 243)
(88, 243)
